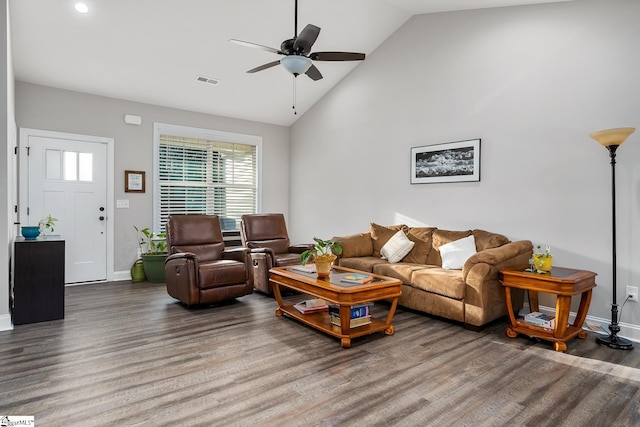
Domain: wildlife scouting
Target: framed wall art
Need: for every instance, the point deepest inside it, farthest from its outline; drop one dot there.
(134, 181)
(449, 162)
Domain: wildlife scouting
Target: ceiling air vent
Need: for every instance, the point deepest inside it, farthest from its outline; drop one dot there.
(209, 80)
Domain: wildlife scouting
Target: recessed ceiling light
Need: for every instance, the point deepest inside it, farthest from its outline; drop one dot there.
(82, 8)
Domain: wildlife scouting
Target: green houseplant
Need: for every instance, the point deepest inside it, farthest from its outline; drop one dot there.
(153, 252)
(324, 252)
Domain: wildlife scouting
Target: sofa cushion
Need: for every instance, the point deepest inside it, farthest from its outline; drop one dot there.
(381, 234)
(455, 254)
(486, 240)
(439, 281)
(422, 237)
(401, 271)
(355, 245)
(364, 263)
(441, 237)
(397, 247)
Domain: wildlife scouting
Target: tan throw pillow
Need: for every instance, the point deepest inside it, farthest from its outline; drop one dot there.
(421, 236)
(487, 240)
(397, 247)
(456, 253)
(381, 234)
(355, 245)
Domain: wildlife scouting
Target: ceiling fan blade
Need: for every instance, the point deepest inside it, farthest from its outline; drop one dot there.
(337, 56)
(306, 39)
(264, 67)
(256, 46)
(314, 73)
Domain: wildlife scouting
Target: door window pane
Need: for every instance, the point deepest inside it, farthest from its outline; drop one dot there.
(53, 164)
(70, 168)
(85, 166)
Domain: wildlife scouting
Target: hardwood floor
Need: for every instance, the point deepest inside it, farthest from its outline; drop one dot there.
(128, 354)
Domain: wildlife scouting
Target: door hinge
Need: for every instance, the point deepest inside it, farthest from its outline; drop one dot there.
(27, 211)
(15, 150)
(15, 208)
(28, 150)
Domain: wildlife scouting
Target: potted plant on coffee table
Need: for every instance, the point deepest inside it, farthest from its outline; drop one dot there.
(324, 252)
(153, 249)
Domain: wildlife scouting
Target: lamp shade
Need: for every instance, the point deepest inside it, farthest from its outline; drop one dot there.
(612, 136)
(296, 64)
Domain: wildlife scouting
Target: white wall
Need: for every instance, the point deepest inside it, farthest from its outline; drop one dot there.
(7, 158)
(47, 108)
(532, 82)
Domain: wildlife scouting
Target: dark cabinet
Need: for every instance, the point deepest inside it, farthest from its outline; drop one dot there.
(38, 280)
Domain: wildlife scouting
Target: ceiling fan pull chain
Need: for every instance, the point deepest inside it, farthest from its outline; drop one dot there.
(295, 112)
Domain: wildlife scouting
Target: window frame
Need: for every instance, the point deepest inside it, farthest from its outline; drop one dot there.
(200, 133)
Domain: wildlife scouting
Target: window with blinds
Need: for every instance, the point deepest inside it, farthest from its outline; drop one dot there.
(203, 176)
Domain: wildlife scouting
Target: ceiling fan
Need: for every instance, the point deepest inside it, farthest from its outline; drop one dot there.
(297, 52)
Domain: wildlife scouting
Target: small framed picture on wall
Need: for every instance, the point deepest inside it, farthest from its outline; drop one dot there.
(134, 181)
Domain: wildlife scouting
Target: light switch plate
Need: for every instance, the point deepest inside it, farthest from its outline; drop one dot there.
(122, 204)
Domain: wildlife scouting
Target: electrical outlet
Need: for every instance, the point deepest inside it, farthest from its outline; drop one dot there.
(632, 293)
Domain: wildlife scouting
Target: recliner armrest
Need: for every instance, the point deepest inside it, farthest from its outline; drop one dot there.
(180, 255)
(237, 254)
(267, 251)
(298, 249)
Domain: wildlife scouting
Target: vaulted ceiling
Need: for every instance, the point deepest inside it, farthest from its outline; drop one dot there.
(152, 51)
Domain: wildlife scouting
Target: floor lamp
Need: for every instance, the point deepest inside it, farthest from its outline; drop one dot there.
(611, 139)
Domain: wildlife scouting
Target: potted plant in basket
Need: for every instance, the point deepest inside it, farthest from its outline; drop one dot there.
(324, 252)
(153, 250)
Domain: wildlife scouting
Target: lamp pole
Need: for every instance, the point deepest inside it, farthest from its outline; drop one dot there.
(612, 139)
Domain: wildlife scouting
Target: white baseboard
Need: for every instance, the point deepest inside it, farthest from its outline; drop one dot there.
(5, 322)
(627, 330)
(121, 275)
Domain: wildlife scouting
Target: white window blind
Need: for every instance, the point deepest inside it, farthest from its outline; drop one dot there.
(201, 176)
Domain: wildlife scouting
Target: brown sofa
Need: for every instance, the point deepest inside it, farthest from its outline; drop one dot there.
(472, 295)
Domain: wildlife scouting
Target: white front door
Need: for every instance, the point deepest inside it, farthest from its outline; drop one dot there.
(66, 177)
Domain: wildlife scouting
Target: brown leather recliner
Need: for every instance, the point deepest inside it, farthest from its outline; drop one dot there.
(266, 235)
(198, 269)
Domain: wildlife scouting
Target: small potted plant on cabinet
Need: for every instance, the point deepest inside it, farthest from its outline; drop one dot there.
(153, 250)
(324, 252)
(541, 261)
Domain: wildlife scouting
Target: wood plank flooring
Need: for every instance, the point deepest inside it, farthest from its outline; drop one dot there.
(128, 354)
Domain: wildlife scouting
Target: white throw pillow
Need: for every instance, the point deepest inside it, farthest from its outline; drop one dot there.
(397, 247)
(456, 253)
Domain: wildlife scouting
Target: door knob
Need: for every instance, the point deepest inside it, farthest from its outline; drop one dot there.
(101, 218)
(101, 209)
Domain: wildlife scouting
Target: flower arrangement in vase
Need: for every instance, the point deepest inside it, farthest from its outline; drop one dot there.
(324, 252)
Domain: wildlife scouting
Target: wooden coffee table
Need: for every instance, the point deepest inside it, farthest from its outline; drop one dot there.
(332, 290)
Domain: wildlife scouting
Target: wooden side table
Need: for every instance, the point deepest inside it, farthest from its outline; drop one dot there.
(564, 283)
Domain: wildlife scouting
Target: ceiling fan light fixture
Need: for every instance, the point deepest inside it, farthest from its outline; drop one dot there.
(296, 64)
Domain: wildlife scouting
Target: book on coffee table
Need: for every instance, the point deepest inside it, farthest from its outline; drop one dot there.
(356, 278)
(353, 323)
(305, 269)
(311, 306)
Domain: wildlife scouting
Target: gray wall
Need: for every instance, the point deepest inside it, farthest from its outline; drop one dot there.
(532, 82)
(42, 107)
